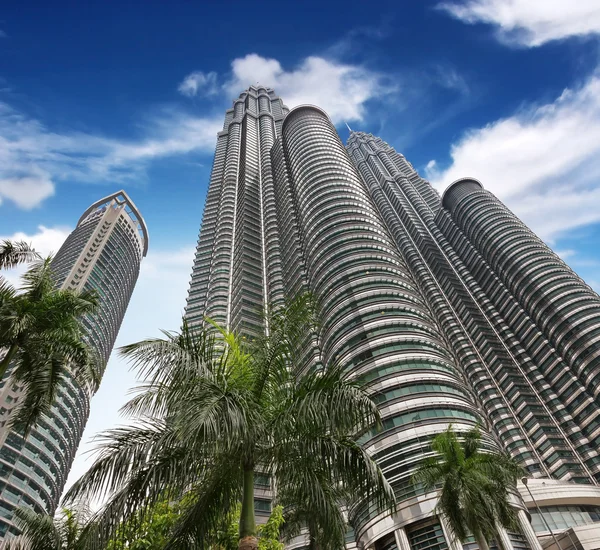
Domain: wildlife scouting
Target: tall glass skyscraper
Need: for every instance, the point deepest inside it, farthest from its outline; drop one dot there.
(450, 308)
(104, 254)
(503, 295)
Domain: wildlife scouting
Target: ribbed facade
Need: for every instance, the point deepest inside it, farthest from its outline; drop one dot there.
(237, 238)
(104, 254)
(287, 211)
(450, 309)
(484, 274)
(376, 322)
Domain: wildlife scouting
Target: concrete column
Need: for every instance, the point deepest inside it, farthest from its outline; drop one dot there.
(401, 539)
(453, 542)
(504, 538)
(528, 531)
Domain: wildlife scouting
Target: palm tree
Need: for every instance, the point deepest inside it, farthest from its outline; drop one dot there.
(40, 331)
(301, 518)
(473, 486)
(213, 411)
(13, 253)
(71, 530)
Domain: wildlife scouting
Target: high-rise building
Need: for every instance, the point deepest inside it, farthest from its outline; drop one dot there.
(523, 327)
(287, 211)
(103, 253)
(450, 308)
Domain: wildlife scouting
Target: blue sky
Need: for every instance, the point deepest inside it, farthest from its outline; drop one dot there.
(99, 96)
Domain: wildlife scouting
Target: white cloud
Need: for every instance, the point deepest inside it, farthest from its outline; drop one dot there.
(47, 240)
(543, 162)
(341, 90)
(431, 169)
(530, 23)
(33, 158)
(199, 83)
(27, 191)
(567, 253)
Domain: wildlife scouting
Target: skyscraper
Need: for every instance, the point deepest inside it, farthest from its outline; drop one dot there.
(450, 308)
(485, 267)
(287, 211)
(103, 253)
(524, 328)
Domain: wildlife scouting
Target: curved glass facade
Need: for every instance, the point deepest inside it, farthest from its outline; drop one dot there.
(470, 304)
(103, 253)
(237, 268)
(375, 320)
(559, 518)
(287, 211)
(537, 295)
(412, 304)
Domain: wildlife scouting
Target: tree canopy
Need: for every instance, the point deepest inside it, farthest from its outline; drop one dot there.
(213, 410)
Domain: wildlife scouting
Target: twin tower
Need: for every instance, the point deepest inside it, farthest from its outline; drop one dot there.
(450, 308)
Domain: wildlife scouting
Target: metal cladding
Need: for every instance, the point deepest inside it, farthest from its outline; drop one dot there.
(551, 313)
(229, 276)
(376, 321)
(103, 253)
(287, 211)
(522, 325)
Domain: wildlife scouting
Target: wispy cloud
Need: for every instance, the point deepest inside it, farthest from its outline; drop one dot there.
(341, 89)
(33, 157)
(448, 77)
(199, 83)
(544, 162)
(530, 23)
(3, 34)
(358, 39)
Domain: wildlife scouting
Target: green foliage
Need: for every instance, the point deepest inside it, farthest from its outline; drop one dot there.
(149, 531)
(213, 408)
(474, 486)
(269, 533)
(69, 530)
(13, 253)
(39, 328)
(228, 533)
(152, 531)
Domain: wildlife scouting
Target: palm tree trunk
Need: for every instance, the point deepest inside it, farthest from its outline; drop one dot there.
(10, 355)
(248, 540)
(481, 542)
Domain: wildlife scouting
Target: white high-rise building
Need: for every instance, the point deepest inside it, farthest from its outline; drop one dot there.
(103, 253)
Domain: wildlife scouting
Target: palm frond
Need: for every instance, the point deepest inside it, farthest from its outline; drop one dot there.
(275, 354)
(474, 486)
(329, 399)
(13, 253)
(39, 530)
(7, 292)
(213, 498)
(178, 356)
(322, 518)
(121, 453)
(51, 358)
(39, 280)
(340, 457)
